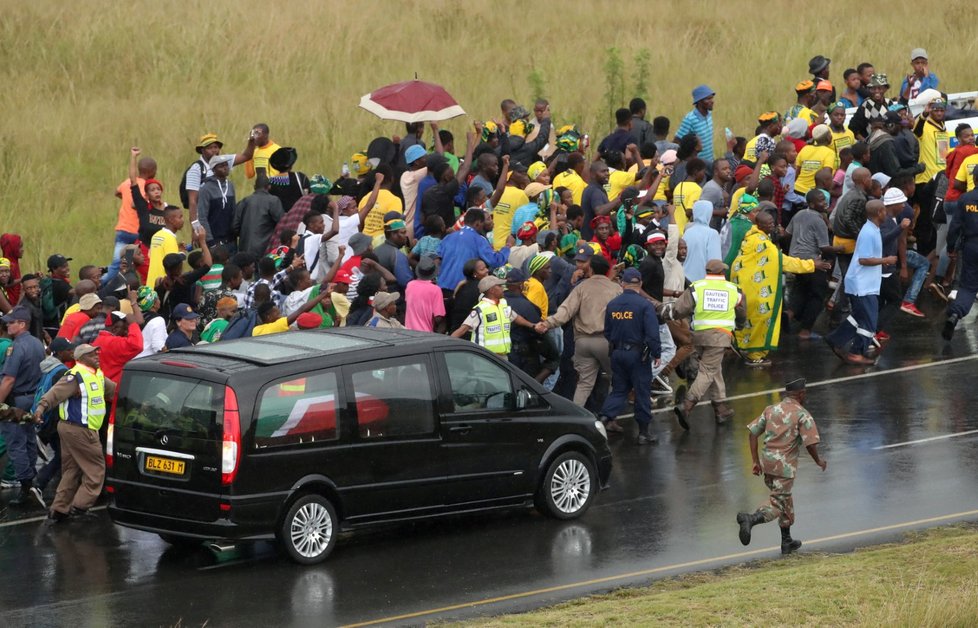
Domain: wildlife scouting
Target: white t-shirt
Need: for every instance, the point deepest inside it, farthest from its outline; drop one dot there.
(295, 300)
(154, 337)
(349, 225)
(310, 248)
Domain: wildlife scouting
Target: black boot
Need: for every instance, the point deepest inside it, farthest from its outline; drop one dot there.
(788, 544)
(748, 521)
(948, 332)
(28, 493)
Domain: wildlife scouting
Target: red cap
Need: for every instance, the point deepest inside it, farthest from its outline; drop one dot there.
(742, 173)
(342, 276)
(309, 320)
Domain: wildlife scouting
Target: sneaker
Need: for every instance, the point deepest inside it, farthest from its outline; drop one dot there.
(38, 497)
(938, 291)
(758, 363)
(660, 386)
(8, 484)
(911, 309)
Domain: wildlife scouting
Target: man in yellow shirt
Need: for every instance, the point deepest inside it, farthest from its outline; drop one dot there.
(806, 98)
(164, 242)
(571, 178)
(813, 158)
(769, 125)
(685, 194)
(512, 198)
(841, 136)
(264, 147)
(620, 178)
(539, 270)
(964, 180)
(381, 200)
(272, 321)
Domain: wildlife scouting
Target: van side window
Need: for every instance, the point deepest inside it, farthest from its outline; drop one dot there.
(478, 383)
(299, 410)
(394, 400)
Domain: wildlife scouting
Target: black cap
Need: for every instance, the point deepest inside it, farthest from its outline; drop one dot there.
(57, 261)
(892, 117)
(795, 385)
(61, 344)
(172, 260)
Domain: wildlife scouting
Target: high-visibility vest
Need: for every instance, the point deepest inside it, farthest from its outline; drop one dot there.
(88, 408)
(715, 303)
(493, 331)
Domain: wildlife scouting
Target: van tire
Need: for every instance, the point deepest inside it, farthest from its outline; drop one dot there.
(568, 487)
(309, 529)
(180, 541)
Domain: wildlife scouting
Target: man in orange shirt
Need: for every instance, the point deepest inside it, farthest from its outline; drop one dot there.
(127, 224)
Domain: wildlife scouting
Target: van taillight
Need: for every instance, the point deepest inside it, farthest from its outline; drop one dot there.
(109, 434)
(231, 444)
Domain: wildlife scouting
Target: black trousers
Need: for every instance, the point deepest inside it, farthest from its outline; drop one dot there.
(808, 295)
(891, 295)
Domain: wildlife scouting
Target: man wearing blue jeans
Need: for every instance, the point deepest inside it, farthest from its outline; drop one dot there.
(862, 285)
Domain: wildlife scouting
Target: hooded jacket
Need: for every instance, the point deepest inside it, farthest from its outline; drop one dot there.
(883, 156)
(702, 242)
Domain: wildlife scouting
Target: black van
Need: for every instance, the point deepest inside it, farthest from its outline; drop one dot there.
(295, 436)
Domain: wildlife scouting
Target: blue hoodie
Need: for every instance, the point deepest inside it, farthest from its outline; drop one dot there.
(702, 242)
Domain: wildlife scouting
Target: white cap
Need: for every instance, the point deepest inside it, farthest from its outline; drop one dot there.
(918, 53)
(882, 179)
(894, 196)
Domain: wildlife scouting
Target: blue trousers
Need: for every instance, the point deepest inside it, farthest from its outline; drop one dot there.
(860, 326)
(629, 372)
(21, 442)
(968, 286)
(122, 240)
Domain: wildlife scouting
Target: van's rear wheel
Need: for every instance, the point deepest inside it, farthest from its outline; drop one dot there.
(567, 488)
(180, 541)
(308, 531)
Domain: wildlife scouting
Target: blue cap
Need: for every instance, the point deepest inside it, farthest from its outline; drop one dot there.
(515, 276)
(583, 253)
(413, 153)
(184, 312)
(18, 313)
(631, 275)
(700, 92)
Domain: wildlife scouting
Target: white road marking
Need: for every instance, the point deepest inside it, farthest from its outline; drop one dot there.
(926, 440)
(35, 519)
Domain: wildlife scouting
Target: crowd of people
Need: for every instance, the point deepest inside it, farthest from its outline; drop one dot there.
(519, 238)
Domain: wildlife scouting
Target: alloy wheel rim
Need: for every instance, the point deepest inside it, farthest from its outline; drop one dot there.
(570, 486)
(311, 530)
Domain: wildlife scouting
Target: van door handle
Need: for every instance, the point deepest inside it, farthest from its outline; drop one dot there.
(461, 429)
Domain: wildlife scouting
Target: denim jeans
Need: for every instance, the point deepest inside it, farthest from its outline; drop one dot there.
(920, 267)
(122, 240)
(859, 327)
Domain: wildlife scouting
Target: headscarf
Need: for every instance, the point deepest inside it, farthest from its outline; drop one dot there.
(567, 243)
(489, 129)
(150, 182)
(527, 231)
(4, 262)
(633, 255)
(747, 204)
(568, 138)
(502, 271)
(145, 298)
(534, 170)
(11, 244)
(539, 261)
(319, 184)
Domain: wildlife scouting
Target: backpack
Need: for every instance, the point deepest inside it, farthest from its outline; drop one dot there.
(48, 309)
(241, 325)
(184, 197)
(49, 425)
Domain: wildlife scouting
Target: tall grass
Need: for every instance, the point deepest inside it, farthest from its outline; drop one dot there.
(85, 80)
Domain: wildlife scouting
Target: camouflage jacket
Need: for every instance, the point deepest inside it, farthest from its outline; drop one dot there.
(783, 428)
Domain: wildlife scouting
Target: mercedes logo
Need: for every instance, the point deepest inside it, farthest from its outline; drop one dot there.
(164, 439)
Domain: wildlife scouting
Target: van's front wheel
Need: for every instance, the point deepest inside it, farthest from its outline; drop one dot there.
(308, 531)
(567, 488)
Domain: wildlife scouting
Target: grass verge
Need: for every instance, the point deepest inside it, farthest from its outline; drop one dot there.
(926, 580)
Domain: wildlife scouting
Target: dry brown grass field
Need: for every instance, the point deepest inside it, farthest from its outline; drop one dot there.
(85, 80)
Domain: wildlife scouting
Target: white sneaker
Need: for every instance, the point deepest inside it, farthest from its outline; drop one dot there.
(8, 484)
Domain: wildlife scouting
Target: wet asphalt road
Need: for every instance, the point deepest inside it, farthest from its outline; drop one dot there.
(670, 509)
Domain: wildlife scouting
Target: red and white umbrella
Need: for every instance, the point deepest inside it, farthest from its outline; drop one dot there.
(412, 101)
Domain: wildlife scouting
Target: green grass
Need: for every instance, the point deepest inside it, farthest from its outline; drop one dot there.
(926, 581)
(85, 80)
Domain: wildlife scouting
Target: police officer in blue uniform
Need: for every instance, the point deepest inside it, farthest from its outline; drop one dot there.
(962, 235)
(632, 329)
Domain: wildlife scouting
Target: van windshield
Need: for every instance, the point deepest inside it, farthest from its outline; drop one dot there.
(163, 403)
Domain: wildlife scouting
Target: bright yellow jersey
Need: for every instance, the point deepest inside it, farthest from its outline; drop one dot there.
(618, 181)
(810, 160)
(966, 172)
(840, 141)
(373, 222)
(934, 144)
(573, 182)
(260, 160)
(683, 197)
(163, 243)
(502, 214)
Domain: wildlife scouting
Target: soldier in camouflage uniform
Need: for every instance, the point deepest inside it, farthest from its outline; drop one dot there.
(784, 427)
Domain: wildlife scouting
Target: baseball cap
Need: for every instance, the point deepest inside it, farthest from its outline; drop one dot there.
(824, 86)
(60, 344)
(894, 196)
(184, 312)
(425, 268)
(533, 189)
(384, 299)
(206, 140)
(114, 317)
(583, 253)
(490, 281)
(918, 53)
(631, 275)
(414, 153)
(715, 267)
(18, 313)
(309, 320)
(656, 236)
(84, 349)
(57, 261)
(172, 260)
(88, 301)
(359, 243)
(342, 276)
(216, 160)
(515, 275)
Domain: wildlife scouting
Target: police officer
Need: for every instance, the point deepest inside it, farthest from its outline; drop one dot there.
(962, 234)
(82, 396)
(717, 308)
(21, 374)
(632, 330)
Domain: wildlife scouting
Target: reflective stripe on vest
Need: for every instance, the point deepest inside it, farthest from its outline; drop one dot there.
(88, 408)
(715, 303)
(493, 331)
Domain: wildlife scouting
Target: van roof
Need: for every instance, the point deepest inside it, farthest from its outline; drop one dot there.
(299, 345)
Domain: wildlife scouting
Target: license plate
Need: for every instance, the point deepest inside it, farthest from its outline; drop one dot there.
(165, 465)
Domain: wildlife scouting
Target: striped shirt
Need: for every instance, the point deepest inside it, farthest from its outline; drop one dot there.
(695, 122)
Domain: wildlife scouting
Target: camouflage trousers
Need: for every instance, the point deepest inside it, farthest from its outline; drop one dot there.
(780, 505)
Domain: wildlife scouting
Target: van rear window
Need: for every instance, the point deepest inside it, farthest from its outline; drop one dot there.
(175, 406)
